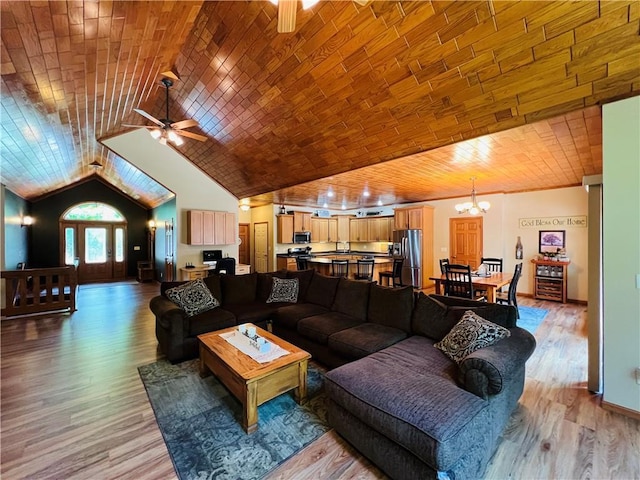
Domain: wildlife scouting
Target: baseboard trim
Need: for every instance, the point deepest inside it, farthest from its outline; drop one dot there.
(627, 412)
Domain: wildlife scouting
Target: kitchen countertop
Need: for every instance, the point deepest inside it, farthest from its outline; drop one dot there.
(327, 261)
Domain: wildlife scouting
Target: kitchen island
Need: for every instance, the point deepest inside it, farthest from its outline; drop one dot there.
(323, 264)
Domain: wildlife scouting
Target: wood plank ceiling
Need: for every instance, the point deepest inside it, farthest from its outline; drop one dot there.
(351, 89)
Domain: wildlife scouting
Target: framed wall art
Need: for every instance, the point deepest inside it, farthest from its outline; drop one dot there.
(551, 240)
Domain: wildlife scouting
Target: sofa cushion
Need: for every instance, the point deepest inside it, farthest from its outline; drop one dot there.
(418, 405)
(391, 306)
(322, 290)
(193, 297)
(471, 333)
(364, 339)
(352, 298)
(253, 312)
(284, 290)
(265, 284)
(320, 327)
(434, 319)
(239, 288)
(304, 277)
(213, 283)
(211, 321)
(288, 315)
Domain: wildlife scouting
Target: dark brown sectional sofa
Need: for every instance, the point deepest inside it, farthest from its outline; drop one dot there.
(400, 401)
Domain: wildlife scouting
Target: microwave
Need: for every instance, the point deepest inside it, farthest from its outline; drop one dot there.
(301, 237)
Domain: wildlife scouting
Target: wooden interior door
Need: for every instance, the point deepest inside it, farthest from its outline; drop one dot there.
(244, 250)
(261, 252)
(465, 241)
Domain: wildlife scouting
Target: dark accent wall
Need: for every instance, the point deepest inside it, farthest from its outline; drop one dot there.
(161, 214)
(16, 238)
(45, 236)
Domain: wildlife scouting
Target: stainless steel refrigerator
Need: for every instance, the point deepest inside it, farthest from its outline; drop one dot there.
(408, 244)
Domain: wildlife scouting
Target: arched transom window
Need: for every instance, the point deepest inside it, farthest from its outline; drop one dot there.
(94, 212)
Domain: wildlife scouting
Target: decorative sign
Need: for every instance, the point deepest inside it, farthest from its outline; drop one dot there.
(577, 221)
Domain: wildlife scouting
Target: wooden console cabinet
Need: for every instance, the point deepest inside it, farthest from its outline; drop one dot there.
(550, 280)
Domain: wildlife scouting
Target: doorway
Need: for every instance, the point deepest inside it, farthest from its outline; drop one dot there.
(244, 250)
(465, 241)
(97, 250)
(93, 237)
(261, 252)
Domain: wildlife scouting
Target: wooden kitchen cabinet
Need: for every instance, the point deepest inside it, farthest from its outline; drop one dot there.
(343, 228)
(319, 230)
(286, 263)
(206, 227)
(332, 225)
(284, 227)
(301, 222)
(380, 229)
(409, 218)
(358, 230)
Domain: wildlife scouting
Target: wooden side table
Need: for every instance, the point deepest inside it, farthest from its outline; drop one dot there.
(550, 280)
(146, 271)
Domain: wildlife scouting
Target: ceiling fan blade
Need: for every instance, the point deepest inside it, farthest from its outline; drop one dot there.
(184, 124)
(146, 115)
(286, 16)
(195, 136)
(361, 2)
(138, 126)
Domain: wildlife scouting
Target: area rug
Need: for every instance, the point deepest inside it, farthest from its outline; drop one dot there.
(200, 422)
(531, 318)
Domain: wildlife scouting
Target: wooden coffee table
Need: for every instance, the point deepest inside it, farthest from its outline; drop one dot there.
(251, 382)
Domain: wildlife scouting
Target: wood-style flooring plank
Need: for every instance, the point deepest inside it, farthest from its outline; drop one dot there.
(73, 405)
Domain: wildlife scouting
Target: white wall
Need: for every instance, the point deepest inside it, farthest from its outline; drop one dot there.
(621, 224)
(502, 227)
(194, 190)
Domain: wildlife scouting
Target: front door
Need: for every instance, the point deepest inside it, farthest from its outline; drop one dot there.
(97, 249)
(465, 241)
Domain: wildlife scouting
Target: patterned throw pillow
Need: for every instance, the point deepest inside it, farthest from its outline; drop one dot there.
(471, 333)
(284, 290)
(193, 297)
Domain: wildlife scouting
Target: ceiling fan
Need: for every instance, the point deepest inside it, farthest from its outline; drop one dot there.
(287, 12)
(166, 129)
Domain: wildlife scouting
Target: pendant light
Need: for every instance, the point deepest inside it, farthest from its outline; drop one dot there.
(473, 207)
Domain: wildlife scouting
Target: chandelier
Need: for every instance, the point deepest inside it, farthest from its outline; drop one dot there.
(473, 207)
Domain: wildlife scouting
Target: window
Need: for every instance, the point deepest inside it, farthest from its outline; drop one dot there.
(69, 246)
(95, 241)
(119, 244)
(93, 211)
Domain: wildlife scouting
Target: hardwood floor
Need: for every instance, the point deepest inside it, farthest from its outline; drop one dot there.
(73, 405)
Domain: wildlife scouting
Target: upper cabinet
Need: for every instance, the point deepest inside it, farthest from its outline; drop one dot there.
(205, 227)
(343, 228)
(411, 218)
(302, 222)
(319, 230)
(284, 227)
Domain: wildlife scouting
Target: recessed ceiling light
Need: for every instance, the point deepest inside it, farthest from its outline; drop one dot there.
(330, 193)
(366, 193)
(379, 202)
(325, 205)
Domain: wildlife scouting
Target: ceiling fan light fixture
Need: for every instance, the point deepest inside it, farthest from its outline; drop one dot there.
(156, 134)
(306, 4)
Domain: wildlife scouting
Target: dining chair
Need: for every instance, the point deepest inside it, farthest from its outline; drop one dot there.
(393, 276)
(458, 282)
(443, 262)
(340, 268)
(364, 269)
(493, 264)
(302, 264)
(509, 297)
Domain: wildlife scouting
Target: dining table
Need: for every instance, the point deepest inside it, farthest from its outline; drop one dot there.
(491, 284)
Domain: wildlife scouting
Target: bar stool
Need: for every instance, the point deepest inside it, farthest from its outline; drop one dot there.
(340, 268)
(393, 276)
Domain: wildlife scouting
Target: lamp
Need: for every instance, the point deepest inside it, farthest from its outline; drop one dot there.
(152, 225)
(26, 221)
(473, 207)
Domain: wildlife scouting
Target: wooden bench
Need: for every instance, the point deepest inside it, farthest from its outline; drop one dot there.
(38, 290)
